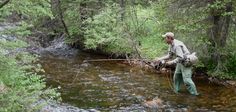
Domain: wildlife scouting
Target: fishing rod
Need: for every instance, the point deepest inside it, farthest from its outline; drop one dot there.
(146, 61)
(94, 60)
(169, 81)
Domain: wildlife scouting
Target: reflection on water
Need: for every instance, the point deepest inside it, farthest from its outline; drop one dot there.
(114, 86)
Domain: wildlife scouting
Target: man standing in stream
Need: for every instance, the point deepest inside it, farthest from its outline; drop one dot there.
(183, 73)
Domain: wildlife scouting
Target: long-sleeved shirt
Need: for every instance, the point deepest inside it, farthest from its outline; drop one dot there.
(178, 49)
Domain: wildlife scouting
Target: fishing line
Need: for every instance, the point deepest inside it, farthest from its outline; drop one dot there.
(170, 81)
(161, 65)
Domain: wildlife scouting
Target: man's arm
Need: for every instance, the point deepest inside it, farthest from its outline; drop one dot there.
(179, 55)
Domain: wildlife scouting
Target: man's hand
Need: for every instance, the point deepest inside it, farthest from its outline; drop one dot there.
(156, 61)
(169, 63)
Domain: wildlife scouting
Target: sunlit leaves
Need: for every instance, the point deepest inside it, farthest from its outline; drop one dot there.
(23, 88)
(103, 31)
(29, 9)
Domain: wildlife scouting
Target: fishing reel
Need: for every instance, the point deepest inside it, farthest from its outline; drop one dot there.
(160, 65)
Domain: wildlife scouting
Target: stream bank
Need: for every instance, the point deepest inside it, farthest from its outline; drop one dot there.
(119, 86)
(116, 86)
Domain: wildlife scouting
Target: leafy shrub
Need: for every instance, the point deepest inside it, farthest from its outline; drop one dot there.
(139, 30)
(105, 31)
(23, 88)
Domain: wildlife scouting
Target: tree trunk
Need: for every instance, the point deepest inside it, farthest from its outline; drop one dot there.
(122, 5)
(83, 11)
(58, 14)
(220, 32)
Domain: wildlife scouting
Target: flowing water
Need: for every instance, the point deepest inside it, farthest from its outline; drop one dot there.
(116, 86)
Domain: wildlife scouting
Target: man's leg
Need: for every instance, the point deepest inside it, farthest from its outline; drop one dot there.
(187, 78)
(178, 79)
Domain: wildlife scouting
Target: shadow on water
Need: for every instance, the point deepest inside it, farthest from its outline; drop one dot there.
(113, 85)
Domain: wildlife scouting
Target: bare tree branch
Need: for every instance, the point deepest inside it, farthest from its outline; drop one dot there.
(4, 3)
(58, 13)
(62, 19)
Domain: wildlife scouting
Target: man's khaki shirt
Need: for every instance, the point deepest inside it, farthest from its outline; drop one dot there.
(178, 49)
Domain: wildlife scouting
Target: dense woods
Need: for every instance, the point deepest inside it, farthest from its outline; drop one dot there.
(120, 26)
(126, 28)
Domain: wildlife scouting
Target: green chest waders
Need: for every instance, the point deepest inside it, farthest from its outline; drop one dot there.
(184, 75)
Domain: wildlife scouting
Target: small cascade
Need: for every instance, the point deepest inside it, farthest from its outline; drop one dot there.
(51, 47)
(58, 47)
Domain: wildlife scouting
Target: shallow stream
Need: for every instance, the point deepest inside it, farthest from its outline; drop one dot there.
(116, 86)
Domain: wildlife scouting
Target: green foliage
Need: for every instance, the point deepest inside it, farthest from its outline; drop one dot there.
(108, 32)
(116, 28)
(23, 89)
(230, 62)
(30, 9)
(190, 22)
(25, 11)
(104, 31)
(148, 31)
(72, 16)
(12, 44)
(21, 30)
(75, 12)
(153, 47)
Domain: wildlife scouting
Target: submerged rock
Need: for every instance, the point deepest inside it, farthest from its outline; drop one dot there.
(55, 107)
(156, 103)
